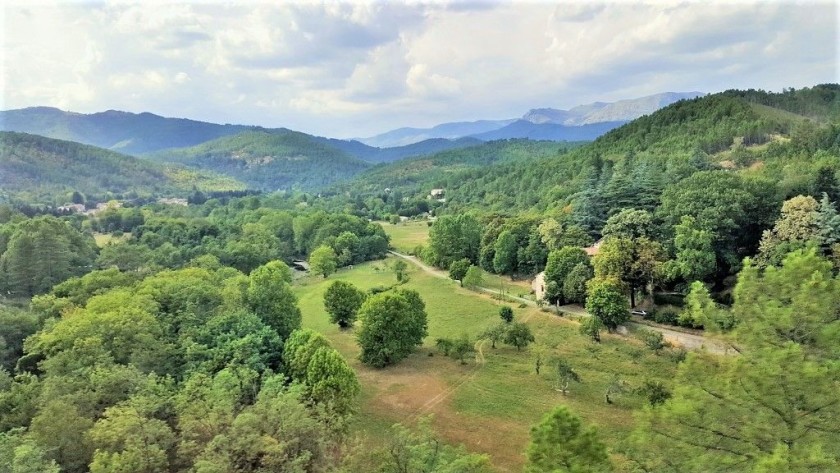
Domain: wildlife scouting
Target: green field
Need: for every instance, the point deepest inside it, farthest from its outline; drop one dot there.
(405, 236)
(490, 404)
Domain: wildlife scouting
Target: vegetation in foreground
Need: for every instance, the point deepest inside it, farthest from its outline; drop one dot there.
(191, 346)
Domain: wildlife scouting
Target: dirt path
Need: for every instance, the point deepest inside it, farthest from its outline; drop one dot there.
(687, 340)
(681, 338)
(444, 275)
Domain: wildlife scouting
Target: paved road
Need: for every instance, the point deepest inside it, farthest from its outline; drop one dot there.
(689, 341)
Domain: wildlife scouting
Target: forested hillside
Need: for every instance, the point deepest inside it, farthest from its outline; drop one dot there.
(752, 134)
(386, 155)
(184, 342)
(269, 160)
(415, 177)
(43, 170)
(125, 132)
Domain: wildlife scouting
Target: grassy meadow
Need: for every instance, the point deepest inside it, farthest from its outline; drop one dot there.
(489, 404)
(405, 236)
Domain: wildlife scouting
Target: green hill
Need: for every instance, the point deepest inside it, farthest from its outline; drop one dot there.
(784, 137)
(130, 133)
(269, 159)
(450, 168)
(39, 169)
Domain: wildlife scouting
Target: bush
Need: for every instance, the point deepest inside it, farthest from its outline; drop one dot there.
(506, 313)
(652, 339)
(655, 392)
(667, 317)
(379, 289)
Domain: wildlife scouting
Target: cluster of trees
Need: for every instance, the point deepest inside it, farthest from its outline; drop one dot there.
(774, 406)
(37, 253)
(199, 369)
(243, 234)
(498, 244)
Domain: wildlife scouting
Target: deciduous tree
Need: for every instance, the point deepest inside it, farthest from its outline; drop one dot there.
(342, 301)
(393, 324)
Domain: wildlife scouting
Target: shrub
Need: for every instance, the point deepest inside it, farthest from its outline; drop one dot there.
(666, 316)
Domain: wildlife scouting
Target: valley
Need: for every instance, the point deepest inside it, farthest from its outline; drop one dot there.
(316, 304)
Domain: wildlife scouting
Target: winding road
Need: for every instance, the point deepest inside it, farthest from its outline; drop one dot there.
(687, 340)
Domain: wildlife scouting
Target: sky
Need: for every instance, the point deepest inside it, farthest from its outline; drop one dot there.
(355, 69)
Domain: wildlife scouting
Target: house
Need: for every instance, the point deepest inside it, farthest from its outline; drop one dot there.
(72, 208)
(437, 193)
(300, 265)
(172, 201)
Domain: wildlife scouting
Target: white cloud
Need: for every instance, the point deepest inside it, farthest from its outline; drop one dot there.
(357, 68)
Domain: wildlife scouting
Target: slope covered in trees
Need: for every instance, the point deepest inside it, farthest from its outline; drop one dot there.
(269, 159)
(41, 169)
(125, 132)
(415, 177)
(755, 134)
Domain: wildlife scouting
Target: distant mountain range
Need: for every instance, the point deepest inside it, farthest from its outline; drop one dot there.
(584, 122)
(128, 133)
(144, 133)
(274, 159)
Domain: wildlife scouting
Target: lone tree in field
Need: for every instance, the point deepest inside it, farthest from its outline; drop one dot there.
(400, 268)
(495, 334)
(342, 301)
(592, 327)
(506, 313)
(323, 260)
(560, 443)
(393, 324)
(565, 375)
(461, 348)
(519, 336)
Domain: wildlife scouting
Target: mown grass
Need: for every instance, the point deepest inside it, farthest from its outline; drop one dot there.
(489, 407)
(405, 236)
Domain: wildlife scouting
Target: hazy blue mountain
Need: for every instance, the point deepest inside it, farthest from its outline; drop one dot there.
(450, 131)
(599, 112)
(146, 133)
(549, 131)
(609, 115)
(130, 133)
(373, 154)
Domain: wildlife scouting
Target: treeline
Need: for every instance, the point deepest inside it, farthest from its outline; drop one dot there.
(37, 253)
(409, 181)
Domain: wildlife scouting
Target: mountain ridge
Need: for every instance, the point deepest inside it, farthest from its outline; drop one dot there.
(620, 112)
(43, 169)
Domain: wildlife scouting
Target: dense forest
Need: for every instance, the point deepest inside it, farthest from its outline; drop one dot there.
(34, 169)
(269, 159)
(757, 135)
(172, 338)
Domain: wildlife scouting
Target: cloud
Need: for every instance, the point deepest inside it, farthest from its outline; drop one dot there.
(357, 68)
